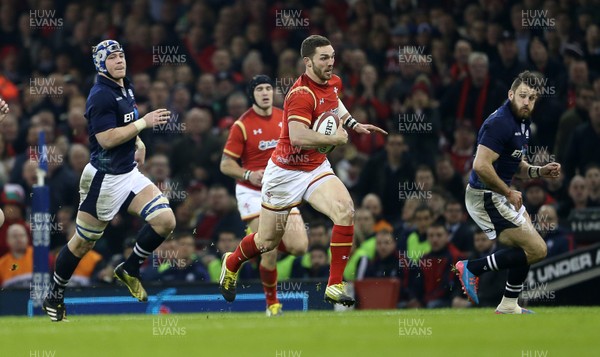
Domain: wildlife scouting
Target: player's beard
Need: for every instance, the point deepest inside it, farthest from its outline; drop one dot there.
(321, 73)
(520, 114)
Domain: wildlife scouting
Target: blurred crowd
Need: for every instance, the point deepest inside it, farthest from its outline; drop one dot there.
(429, 72)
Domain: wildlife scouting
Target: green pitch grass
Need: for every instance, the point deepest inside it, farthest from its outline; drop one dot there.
(475, 332)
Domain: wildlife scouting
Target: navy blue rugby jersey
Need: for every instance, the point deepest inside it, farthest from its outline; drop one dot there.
(111, 106)
(506, 135)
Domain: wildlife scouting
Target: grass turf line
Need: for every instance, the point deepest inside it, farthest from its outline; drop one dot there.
(471, 332)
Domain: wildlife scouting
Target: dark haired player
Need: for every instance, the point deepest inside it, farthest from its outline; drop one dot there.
(298, 172)
(111, 180)
(494, 205)
(251, 140)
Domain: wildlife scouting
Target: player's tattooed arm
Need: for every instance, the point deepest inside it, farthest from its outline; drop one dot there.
(483, 167)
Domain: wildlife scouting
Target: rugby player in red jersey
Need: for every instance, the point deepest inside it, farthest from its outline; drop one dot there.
(298, 172)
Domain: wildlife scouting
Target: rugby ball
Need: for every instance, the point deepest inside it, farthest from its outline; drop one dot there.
(326, 124)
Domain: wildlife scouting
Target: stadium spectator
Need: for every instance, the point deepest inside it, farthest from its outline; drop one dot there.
(12, 201)
(372, 202)
(16, 266)
(366, 95)
(583, 148)
(474, 97)
(424, 179)
(535, 196)
(415, 244)
(591, 48)
(382, 173)
(540, 61)
(460, 233)
(385, 262)
(592, 182)
(77, 132)
(206, 92)
(79, 156)
(435, 286)
(578, 74)
(422, 124)
(159, 261)
(195, 156)
(142, 84)
(407, 223)
(364, 226)
(556, 237)
(317, 234)
(365, 145)
(572, 118)
(578, 197)
(221, 215)
(185, 265)
(60, 226)
(441, 77)
(436, 200)
(507, 66)
(237, 104)
(364, 242)
(159, 172)
(462, 151)
(180, 103)
(227, 241)
(448, 178)
(319, 264)
(460, 68)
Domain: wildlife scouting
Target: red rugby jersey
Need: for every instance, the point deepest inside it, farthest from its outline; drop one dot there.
(305, 101)
(252, 139)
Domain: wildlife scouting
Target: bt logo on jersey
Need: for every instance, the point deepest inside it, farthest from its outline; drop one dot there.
(257, 131)
(517, 154)
(128, 117)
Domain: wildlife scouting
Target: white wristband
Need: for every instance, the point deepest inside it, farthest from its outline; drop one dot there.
(350, 122)
(534, 171)
(140, 124)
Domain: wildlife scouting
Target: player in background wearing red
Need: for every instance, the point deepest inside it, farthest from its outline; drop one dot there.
(298, 172)
(251, 140)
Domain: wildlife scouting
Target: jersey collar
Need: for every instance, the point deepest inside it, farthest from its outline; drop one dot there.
(112, 84)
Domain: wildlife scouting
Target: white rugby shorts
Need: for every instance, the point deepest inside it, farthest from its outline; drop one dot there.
(284, 189)
(102, 194)
(492, 212)
(248, 202)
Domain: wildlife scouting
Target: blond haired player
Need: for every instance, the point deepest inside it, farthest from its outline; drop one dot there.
(298, 172)
(252, 139)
